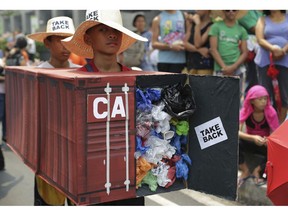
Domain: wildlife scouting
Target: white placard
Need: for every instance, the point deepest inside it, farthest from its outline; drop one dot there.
(211, 133)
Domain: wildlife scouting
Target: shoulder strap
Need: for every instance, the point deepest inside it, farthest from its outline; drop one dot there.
(88, 67)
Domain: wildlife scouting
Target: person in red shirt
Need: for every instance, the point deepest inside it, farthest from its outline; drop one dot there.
(102, 38)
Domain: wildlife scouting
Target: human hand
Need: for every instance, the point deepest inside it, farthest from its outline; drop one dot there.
(260, 141)
(228, 70)
(177, 46)
(277, 52)
(204, 52)
(196, 19)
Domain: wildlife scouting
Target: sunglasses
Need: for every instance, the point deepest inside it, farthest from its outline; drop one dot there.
(230, 11)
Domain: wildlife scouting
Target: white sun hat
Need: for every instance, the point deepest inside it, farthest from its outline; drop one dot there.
(111, 18)
(58, 26)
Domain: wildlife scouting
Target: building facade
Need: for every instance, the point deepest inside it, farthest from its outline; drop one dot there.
(31, 21)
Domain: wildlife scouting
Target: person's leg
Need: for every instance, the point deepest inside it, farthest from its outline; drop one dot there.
(266, 81)
(38, 201)
(205, 72)
(245, 172)
(2, 116)
(2, 161)
(283, 88)
(239, 73)
(46, 195)
(2, 119)
(251, 78)
(261, 153)
(4, 123)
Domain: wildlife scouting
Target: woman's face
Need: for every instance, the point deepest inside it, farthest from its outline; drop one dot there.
(140, 24)
(260, 103)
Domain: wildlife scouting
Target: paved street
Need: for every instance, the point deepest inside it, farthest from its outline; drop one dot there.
(16, 189)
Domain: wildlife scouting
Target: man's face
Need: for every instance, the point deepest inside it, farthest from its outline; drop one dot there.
(230, 14)
(104, 39)
(57, 50)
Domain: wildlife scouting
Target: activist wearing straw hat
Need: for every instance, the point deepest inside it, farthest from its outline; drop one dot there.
(57, 29)
(101, 38)
(57, 26)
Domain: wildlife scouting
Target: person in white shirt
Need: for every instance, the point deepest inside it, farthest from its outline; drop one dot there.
(58, 28)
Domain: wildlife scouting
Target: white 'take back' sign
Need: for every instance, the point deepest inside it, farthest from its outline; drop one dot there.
(211, 133)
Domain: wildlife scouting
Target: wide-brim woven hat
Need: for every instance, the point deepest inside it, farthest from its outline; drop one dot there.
(111, 18)
(216, 14)
(58, 26)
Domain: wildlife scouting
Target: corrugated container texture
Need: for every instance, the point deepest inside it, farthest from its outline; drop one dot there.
(22, 100)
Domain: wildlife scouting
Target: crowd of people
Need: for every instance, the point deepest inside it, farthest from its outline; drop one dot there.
(251, 45)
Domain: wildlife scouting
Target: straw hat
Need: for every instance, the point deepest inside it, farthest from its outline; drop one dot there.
(58, 26)
(111, 18)
(220, 14)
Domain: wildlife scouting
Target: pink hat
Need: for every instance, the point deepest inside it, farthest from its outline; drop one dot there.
(269, 112)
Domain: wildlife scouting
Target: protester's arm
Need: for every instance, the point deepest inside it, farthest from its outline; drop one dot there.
(214, 51)
(243, 56)
(188, 46)
(258, 140)
(277, 52)
(199, 39)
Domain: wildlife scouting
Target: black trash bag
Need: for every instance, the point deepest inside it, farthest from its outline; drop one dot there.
(179, 100)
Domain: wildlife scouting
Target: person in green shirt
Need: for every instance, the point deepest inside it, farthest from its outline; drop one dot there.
(228, 42)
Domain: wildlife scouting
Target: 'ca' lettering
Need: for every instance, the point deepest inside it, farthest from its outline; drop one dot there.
(96, 107)
(118, 107)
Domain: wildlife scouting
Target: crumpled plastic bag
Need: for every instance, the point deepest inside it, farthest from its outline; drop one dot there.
(142, 168)
(150, 180)
(161, 118)
(159, 148)
(161, 171)
(179, 100)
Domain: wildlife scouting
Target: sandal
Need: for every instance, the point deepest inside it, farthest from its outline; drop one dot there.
(258, 181)
(242, 180)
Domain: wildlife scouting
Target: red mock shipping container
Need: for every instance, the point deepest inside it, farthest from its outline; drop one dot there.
(76, 130)
(23, 108)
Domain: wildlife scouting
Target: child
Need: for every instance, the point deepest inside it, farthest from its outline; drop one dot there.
(101, 38)
(228, 44)
(168, 31)
(260, 119)
(45, 194)
(55, 32)
(197, 45)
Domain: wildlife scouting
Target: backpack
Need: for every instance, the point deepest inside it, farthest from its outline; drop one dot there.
(133, 56)
(14, 59)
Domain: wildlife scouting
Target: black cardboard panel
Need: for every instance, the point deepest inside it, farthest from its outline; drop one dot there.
(214, 169)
